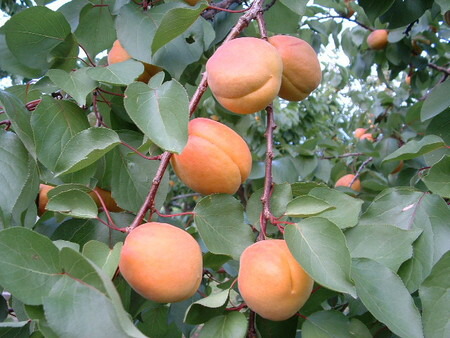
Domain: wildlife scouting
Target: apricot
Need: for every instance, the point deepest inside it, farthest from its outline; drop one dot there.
(301, 67)
(215, 159)
(367, 136)
(110, 203)
(244, 74)
(359, 132)
(345, 181)
(161, 262)
(119, 54)
(378, 39)
(408, 80)
(271, 282)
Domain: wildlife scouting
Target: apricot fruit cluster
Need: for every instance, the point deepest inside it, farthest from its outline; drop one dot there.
(271, 282)
(345, 181)
(215, 159)
(119, 54)
(161, 262)
(362, 134)
(246, 74)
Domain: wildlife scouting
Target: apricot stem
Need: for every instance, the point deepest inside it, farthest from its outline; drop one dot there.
(190, 213)
(151, 158)
(87, 55)
(7, 123)
(110, 226)
(105, 209)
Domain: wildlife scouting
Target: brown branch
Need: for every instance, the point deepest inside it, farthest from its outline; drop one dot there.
(87, 55)
(7, 123)
(439, 68)
(348, 19)
(363, 165)
(210, 12)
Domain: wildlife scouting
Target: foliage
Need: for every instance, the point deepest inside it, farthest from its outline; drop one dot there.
(379, 257)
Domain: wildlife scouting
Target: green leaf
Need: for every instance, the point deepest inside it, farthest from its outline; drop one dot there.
(54, 123)
(77, 84)
(303, 188)
(346, 208)
(15, 329)
(304, 206)
(37, 314)
(297, 6)
(20, 120)
(29, 264)
(33, 33)
(95, 31)
(161, 113)
(403, 12)
(440, 125)
(220, 222)
(326, 324)
(436, 102)
(105, 258)
(386, 244)
(386, 297)
(122, 73)
(234, 324)
(438, 178)
(414, 148)
(174, 22)
(271, 329)
(85, 148)
(374, 9)
(74, 203)
(320, 248)
(19, 180)
(206, 308)
(435, 297)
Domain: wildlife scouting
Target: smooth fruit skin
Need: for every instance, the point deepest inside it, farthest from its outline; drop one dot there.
(161, 262)
(378, 39)
(215, 160)
(244, 74)
(301, 67)
(271, 282)
(345, 181)
(43, 197)
(359, 132)
(367, 136)
(119, 54)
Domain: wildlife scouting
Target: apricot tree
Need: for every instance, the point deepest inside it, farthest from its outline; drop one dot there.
(210, 168)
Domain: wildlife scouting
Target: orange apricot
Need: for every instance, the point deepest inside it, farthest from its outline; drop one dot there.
(271, 281)
(359, 132)
(408, 80)
(215, 159)
(378, 39)
(301, 67)
(119, 54)
(43, 198)
(367, 136)
(244, 74)
(345, 181)
(161, 262)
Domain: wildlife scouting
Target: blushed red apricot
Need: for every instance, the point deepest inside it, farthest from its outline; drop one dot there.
(215, 160)
(161, 262)
(359, 132)
(301, 67)
(345, 181)
(271, 281)
(367, 136)
(378, 39)
(244, 74)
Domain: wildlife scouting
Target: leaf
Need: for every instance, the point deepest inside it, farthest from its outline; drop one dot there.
(386, 244)
(374, 9)
(105, 258)
(19, 180)
(320, 248)
(20, 120)
(297, 6)
(77, 84)
(346, 208)
(29, 264)
(234, 324)
(122, 73)
(85, 148)
(75, 203)
(386, 297)
(403, 12)
(220, 222)
(440, 125)
(54, 123)
(435, 297)
(326, 324)
(33, 33)
(174, 22)
(15, 329)
(161, 113)
(436, 102)
(206, 308)
(438, 178)
(414, 148)
(271, 329)
(37, 314)
(304, 206)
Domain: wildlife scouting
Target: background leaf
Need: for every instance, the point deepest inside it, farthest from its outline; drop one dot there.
(105, 258)
(438, 178)
(233, 324)
(304, 206)
(326, 324)
(122, 73)
(74, 203)
(414, 148)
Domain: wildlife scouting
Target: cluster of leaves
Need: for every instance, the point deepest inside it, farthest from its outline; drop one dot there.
(379, 258)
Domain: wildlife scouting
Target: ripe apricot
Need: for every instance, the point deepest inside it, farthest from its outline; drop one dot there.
(161, 262)
(43, 197)
(271, 282)
(408, 80)
(345, 181)
(301, 67)
(119, 54)
(215, 160)
(244, 74)
(378, 39)
(359, 132)
(367, 136)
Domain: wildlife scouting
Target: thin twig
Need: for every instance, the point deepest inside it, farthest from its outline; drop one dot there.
(341, 156)
(366, 162)
(151, 158)
(87, 55)
(439, 68)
